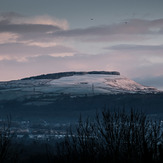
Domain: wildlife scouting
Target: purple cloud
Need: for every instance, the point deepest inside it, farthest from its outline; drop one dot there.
(132, 30)
(158, 49)
(128, 65)
(18, 49)
(31, 28)
(26, 28)
(13, 22)
(135, 27)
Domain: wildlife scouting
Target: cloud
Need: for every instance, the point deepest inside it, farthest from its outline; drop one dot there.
(128, 65)
(45, 29)
(23, 36)
(145, 54)
(134, 29)
(36, 28)
(21, 25)
(155, 81)
(42, 44)
(136, 47)
(17, 50)
(145, 50)
(8, 37)
(15, 18)
(26, 28)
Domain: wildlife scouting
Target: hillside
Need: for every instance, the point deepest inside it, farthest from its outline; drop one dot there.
(63, 97)
(72, 84)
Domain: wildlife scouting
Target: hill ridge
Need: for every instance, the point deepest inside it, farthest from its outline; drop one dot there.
(70, 73)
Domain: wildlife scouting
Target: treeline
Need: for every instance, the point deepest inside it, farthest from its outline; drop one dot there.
(114, 137)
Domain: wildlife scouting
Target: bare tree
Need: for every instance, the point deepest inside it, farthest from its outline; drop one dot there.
(5, 138)
(115, 137)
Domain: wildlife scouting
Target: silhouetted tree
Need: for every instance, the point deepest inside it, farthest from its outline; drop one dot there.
(5, 138)
(113, 137)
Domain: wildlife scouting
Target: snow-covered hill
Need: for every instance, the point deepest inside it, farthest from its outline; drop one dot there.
(75, 85)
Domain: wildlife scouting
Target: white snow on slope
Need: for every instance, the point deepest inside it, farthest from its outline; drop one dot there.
(77, 85)
(94, 83)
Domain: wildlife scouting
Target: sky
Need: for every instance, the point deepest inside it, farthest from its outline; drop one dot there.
(48, 36)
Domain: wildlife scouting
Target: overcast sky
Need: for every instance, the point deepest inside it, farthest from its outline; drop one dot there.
(47, 36)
